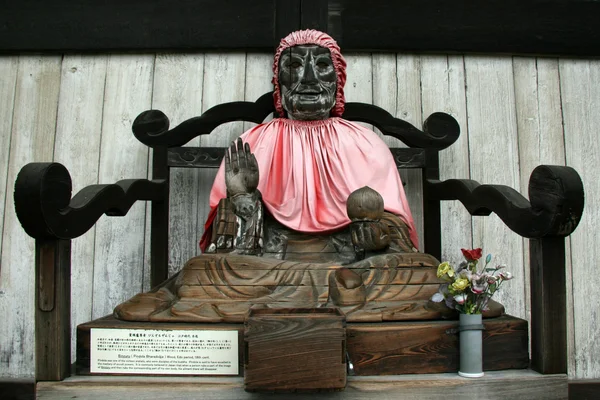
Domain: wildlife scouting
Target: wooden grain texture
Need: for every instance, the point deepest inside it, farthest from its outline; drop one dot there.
(493, 386)
(396, 88)
(258, 77)
(224, 81)
(408, 108)
(295, 349)
(548, 305)
(177, 91)
(539, 123)
(494, 160)
(119, 248)
(391, 348)
(32, 139)
(540, 127)
(580, 94)
(359, 83)
(432, 346)
(552, 151)
(52, 310)
(78, 133)
(8, 80)
(443, 89)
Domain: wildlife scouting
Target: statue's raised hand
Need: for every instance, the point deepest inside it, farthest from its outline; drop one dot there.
(241, 169)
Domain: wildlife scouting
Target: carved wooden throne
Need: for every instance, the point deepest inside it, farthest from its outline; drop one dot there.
(50, 215)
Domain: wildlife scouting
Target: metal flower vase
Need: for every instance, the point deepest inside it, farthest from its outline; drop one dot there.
(470, 329)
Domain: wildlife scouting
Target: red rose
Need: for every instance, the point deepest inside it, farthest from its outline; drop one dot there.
(472, 255)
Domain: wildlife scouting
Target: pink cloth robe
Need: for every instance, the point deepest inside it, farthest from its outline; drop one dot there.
(309, 168)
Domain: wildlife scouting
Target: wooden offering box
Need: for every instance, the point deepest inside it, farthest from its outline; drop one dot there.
(295, 349)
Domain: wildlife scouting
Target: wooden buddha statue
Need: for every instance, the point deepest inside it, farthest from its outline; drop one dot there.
(307, 210)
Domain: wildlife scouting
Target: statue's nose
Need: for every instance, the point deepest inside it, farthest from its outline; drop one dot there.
(308, 75)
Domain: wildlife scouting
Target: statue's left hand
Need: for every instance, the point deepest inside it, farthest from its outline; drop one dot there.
(370, 235)
(241, 169)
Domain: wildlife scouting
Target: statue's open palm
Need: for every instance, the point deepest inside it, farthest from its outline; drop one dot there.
(241, 169)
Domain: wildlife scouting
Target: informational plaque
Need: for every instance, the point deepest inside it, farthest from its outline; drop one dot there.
(170, 352)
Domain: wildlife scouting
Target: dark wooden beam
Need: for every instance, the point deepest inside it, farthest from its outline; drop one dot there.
(567, 27)
(211, 157)
(432, 217)
(548, 27)
(52, 309)
(287, 19)
(115, 25)
(585, 389)
(17, 389)
(159, 235)
(151, 127)
(313, 15)
(548, 305)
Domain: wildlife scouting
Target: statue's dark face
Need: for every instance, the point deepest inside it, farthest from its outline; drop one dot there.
(307, 81)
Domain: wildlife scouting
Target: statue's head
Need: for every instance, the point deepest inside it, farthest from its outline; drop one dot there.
(309, 76)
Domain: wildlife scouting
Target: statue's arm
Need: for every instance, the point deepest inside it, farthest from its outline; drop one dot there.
(238, 226)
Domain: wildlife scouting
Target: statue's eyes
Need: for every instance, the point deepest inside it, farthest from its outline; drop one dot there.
(295, 65)
(322, 64)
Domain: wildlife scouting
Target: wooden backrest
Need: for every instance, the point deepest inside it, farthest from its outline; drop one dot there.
(152, 128)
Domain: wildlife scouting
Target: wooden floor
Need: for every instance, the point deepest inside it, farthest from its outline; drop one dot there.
(512, 384)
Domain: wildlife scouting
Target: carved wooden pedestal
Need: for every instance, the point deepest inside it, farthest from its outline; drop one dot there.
(390, 348)
(295, 349)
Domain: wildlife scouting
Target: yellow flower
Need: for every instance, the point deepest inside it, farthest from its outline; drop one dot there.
(460, 284)
(445, 271)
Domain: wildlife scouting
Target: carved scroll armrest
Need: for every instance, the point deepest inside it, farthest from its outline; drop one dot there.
(45, 208)
(554, 208)
(440, 130)
(152, 127)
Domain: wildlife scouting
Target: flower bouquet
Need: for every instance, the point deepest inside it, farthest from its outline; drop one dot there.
(470, 285)
(469, 289)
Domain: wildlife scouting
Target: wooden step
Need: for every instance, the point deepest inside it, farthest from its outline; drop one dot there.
(515, 384)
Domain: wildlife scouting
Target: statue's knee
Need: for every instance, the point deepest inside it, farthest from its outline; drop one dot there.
(348, 278)
(346, 288)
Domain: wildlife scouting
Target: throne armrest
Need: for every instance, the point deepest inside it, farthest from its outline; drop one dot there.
(554, 208)
(46, 210)
(553, 211)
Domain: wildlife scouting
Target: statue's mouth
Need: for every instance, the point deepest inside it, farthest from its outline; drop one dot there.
(309, 94)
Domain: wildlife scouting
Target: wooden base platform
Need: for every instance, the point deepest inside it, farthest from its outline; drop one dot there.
(522, 384)
(392, 348)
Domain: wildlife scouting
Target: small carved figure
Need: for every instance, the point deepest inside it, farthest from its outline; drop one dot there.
(307, 210)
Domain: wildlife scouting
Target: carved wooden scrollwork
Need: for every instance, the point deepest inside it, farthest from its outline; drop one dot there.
(554, 208)
(151, 127)
(440, 130)
(408, 158)
(45, 208)
(199, 157)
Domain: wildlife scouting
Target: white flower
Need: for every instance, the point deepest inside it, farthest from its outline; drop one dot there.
(437, 298)
(460, 298)
(505, 275)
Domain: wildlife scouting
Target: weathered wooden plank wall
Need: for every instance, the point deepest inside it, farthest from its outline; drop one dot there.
(515, 113)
